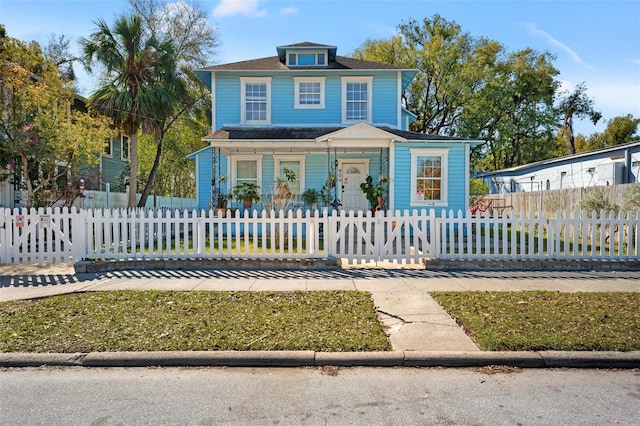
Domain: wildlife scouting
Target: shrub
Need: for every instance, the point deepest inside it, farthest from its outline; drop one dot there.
(556, 201)
(631, 197)
(477, 189)
(597, 201)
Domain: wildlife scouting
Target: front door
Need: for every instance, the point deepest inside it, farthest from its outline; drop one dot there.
(351, 174)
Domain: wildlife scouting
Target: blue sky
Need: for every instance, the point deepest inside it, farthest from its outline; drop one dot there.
(597, 42)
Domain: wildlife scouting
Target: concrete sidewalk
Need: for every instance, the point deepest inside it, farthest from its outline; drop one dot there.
(418, 327)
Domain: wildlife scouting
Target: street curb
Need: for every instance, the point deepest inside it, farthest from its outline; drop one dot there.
(453, 359)
(474, 359)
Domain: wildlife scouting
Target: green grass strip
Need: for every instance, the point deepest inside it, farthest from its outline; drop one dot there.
(193, 321)
(545, 320)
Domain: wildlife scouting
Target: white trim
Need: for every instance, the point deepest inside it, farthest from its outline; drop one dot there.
(362, 79)
(444, 154)
(122, 157)
(213, 102)
(233, 159)
(399, 88)
(296, 92)
(294, 51)
(467, 183)
(277, 159)
(110, 154)
(243, 107)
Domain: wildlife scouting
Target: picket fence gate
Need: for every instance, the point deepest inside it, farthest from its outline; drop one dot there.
(47, 236)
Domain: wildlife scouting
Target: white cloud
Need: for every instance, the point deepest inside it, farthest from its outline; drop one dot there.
(616, 99)
(239, 7)
(538, 32)
(289, 11)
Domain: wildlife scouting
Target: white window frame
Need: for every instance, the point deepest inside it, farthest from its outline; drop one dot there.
(277, 159)
(243, 98)
(296, 101)
(369, 82)
(234, 168)
(444, 192)
(109, 142)
(123, 156)
(308, 52)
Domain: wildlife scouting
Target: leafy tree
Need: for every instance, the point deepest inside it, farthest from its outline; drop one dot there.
(575, 104)
(58, 52)
(473, 87)
(139, 81)
(619, 130)
(194, 41)
(453, 67)
(44, 140)
(514, 112)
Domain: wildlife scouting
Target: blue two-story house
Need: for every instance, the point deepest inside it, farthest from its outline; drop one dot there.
(329, 119)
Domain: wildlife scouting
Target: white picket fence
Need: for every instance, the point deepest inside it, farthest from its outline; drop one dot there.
(62, 235)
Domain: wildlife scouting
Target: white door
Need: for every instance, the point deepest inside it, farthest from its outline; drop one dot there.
(352, 173)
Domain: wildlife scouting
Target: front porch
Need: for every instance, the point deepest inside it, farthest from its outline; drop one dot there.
(330, 163)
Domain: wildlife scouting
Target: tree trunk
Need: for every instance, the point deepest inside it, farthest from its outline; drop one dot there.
(152, 175)
(133, 170)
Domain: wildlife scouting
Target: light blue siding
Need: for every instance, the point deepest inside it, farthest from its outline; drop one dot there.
(456, 176)
(385, 99)
(227, 97)
(283, 111)
(203, 170)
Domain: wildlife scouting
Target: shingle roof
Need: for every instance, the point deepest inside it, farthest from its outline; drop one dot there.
(311, 133)
(273, 63)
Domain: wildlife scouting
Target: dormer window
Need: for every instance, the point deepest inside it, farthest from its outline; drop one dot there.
(307, 59)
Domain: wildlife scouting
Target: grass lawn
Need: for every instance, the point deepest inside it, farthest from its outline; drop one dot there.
(164, 320)
(545, 320)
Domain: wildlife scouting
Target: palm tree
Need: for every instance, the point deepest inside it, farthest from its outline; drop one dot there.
(138, 84)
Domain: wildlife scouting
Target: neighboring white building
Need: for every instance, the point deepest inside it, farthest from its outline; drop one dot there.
(609, 166)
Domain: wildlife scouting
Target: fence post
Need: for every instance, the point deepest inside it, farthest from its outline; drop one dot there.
(79, 223)
(5, 218)
(435, 233)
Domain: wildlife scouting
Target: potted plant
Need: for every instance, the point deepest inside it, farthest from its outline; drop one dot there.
(247, 192)
(281, 190)
(222, 203)
(373, 192)
(310, 198)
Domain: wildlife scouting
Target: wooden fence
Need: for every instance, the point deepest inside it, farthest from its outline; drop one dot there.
(552, 200)
(62, 235)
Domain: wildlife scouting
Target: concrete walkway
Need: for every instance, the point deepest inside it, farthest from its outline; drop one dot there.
(414, 321)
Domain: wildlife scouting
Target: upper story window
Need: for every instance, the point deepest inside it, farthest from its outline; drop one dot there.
(307, 59)
(125, 147)
(256, 100)
(429, 177)
(309, 92)
(107, 151)
(356, 98)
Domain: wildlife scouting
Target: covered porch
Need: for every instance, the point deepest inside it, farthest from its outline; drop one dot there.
(301, 168)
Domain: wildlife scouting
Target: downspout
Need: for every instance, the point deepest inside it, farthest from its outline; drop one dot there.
(627, 165)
